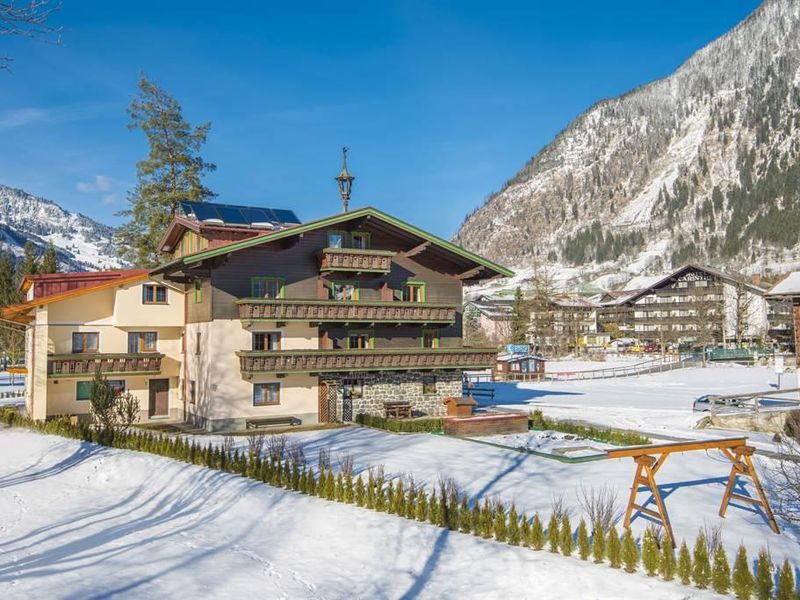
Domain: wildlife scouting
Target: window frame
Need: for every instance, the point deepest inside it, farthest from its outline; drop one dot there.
(356, 290)
(141, 348)
(78, 385)
(155, 287)
(423, 287)
(262, 384)
(266, 332)
(84, 335)
(340, 232)
(429, 392)
(435, 341)
(359, 332)
(365, 235)
(265, 280)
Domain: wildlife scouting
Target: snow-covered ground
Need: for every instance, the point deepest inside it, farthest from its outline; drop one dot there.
(549, 442)
(570, 365)
(80, 521)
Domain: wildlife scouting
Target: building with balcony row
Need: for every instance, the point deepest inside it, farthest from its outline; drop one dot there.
(255, 315)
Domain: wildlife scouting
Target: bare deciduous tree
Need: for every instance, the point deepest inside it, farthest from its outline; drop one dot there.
(784, 477)
(600, 505)
(29, 19)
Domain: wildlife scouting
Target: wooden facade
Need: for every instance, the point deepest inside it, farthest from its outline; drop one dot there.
(332, 311)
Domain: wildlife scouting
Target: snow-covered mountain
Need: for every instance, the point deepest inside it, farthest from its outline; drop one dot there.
(700, 165)
(81, 243)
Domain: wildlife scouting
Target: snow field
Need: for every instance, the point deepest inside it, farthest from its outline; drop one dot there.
(81, 521)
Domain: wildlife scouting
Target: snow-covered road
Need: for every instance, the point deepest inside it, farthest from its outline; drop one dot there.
(80, 521)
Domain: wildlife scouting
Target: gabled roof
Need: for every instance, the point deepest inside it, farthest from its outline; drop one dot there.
(329, 221)
(788, 286)
(42, 283)
(731, 278)
(18, 312)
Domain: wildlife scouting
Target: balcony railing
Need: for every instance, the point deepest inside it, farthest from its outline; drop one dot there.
(353, 260)
(332, 361)
(66, 365)
(337, 311)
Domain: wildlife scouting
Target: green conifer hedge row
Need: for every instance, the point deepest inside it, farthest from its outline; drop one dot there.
(448, 507)
(600, 434)
(426, 425)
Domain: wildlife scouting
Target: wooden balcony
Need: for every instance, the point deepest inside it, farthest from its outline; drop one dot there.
(336, 311)
(355, 261)
(333, 361)
(74, 365)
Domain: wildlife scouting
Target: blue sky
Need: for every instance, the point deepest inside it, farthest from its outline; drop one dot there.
(440, 102)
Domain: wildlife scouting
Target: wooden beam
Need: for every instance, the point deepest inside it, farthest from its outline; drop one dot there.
(416, 250)
(677, 447)
(470, 273)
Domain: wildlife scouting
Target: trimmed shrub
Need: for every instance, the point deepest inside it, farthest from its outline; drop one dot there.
(630, 551)
(721, 571)
(786, 589)
(565, 541)
(584, 547)
(614, 548)
(742, 577)
(763, 580)
(701, 566)
(650, 555)
(537, 420)
(537, 533)
(553, 534)
(598, 543)
(667, 564)
(513, 526)
(426, 425)
(500, 529)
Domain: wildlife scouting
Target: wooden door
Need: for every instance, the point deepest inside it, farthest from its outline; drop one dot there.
(159, 397)
(327, 402)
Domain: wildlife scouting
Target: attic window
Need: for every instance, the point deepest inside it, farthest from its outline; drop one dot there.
(154, 294)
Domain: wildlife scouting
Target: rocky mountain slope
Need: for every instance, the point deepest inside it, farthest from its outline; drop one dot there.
(81, 243)
(702, 165)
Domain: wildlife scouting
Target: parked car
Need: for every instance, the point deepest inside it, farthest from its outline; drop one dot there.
(704, 403)
(650, 347)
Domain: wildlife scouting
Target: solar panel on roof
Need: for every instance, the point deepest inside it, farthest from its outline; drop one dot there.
(231, 215)
(204, 212)
(285, 216)
(255, 215)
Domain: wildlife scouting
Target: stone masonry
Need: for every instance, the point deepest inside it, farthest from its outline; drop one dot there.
(380, 387)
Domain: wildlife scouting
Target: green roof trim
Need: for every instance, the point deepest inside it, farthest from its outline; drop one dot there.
(326, 222)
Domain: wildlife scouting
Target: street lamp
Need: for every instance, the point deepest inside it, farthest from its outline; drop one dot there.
(345, 181)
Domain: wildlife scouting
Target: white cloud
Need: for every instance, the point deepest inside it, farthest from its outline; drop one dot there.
(70, 113)
(101, 183)
(19, 117)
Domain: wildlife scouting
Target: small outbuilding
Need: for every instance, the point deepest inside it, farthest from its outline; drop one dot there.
(527, 367)
(460, 407)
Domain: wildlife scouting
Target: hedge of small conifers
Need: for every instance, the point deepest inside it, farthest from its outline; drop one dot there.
(703, 566)
(537, 420)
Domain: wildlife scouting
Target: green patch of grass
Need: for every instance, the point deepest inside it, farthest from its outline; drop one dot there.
(600, 434)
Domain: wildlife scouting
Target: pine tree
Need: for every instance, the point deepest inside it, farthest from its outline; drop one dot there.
(786, 589)
(348, 488)
(742, 576)
(565, 540)
(421, 514)
(390, 508)
(339, 487)
(598, 543)
(537, 533)
(399, 500)
(630, 551)
(701, 566)
(721, 572)
(9, 293)
(171, 172)
(360, 493)
(650, 556)
(763, 580)
(520, 319)
(525, 531)
(553, 534)
(667, 565)
(584, 547)
(613, 548)
(487, 520)
(465, 516)
(513, 526)
(30, 262)
(500, 529)
(475, 518)
(49, 260)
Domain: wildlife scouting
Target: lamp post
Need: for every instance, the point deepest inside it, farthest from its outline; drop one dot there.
(345, 181)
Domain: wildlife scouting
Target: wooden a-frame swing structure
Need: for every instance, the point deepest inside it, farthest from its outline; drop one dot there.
(650, 459)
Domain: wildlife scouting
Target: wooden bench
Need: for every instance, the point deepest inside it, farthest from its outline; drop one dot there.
(272, 422)
(398, 410)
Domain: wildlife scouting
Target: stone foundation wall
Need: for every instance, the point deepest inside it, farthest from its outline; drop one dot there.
(405, 386)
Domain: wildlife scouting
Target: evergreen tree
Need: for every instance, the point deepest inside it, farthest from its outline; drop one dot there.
(684, 564)
(565, 537)
(513, 526)
(721, 572)
(9, 294)
(465, 515)
(630, 551)
(584, 547)
(520, 319)
(487, 520)
(525, 531)
(701, 566)
(667, 565)
(500, 529)
(49, 260)
(742, 577)
(360, 493)
(171, 172)
(763, 581)
(537, 533)
(475, 518)
(348, 488)
(553, 534)
(598, 543)
(650, 555)
(613, 548)
(421, 513)
(30, 262)
(786, 589)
